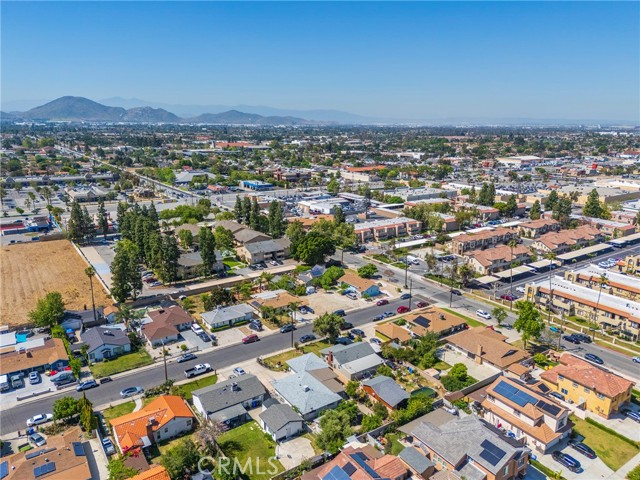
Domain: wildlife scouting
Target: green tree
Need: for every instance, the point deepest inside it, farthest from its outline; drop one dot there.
(296, 234)
(368, 270)
(536, 211)
(593, 207)
(246, 210)
(125, 279)
(65, 408)
(223, 238)
(370, 422)
(529, 323)
(254, 214)
(314, 247)
(118, 470)
(87, 416)
(75, 225)
(76, 366)
(328, 325)
(103, 221)
(186, 238)
(168, 271)
(500, 314)
(459, 372)
(216, 297)
(333, 187)
(352, 389)
(551, 201)
(330, 277)
(238, 210)
(49, 310)
(634, 474)
(90, 272)
(207, 249)
(335, 428)
(277, 223)
(338, 216)
(512, 205)
(182, 459)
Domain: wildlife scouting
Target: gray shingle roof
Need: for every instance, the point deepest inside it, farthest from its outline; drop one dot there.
(305, 392)
(222, 395)
(387, 389)
(415, 459)
(268, 246)
(277, 416)
(96, 337)
(348, 353)
(306, 363)
(225, 314)
(461, 437)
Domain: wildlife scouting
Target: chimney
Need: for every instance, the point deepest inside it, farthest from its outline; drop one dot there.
(330, 358)
(234, 387)
(479, 350)
(305, 388)
(29, 354)
(150, 425)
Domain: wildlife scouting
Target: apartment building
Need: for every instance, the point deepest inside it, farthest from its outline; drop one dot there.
(622, 216)
(617, 284)
(482, 240)
(588, 386)
(610, 228)
(609, 311)
(565, 240)
(484, 213)
(537, 419)
(631, 264)
(496, 259)
(413, 194)
(536, 228)
(387, 228)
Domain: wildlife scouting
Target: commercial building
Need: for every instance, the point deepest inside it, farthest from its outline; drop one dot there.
(257, 185)
(528, 414)
(413, 194)
(386, 229)
(588, 386)
(608, 311)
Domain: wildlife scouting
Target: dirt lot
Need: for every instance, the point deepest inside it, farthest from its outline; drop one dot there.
(29, 271)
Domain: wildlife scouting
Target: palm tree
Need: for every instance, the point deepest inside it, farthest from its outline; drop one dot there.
(551, 256)
(603, 282)
(512, 244)
(265, 277)
(90, 272)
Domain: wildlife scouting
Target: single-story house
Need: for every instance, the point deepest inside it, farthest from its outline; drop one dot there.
(51, 355)
(281, 422)
(387, 391)
(227, 402)
(363, 287)
(105, 343)
(278, 300)
(305, 393)
(228, 316)
(165, 324)
(164, 418)
(354, 361)
(435, 320)
(79, 319)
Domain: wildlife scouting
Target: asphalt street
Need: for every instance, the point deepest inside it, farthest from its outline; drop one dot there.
(15, 418)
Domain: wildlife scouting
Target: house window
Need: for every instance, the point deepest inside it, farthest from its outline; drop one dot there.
(575, 385)
(564, 391)
(586, 390)
(600, 396)
(166, 429)
(506, 470)
(189, 423)
(560, 377)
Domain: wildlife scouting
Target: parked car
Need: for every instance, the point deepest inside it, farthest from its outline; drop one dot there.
(108, 446)
(557, 395)
(340, 313)
(352, 296)
(521, 290)
(346, 326)
(556, 329)
(289, 327)
(632, 415)
(567, 461)
(384, 301)
(509, 298)
(37, 440)
(130, 391)
(39, 419)
(378, 317)
(405, 296)
(582, 448)
(375, 341)
(204, 337)
(593, 358)
(571, 339)
(403, 309)
(483, 314)
(86, 385)
(186, 357)
(250, 338)
(582, 337)
(422, 304)
(635, 359)
(34, 377)
(105, 380)
(257, 326)
(197, 329)
(239, 371)
(358, 332)
(307, 338)
(456, 292)
(388, 314)
(343, 341)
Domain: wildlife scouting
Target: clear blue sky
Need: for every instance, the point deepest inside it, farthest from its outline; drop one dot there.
(570, 60)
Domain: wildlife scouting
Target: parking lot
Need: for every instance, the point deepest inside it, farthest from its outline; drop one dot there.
(13, 397)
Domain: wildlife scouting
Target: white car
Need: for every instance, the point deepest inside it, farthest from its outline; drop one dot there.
(520, 290)
(483, 314)
(39, 419)
(197, 329)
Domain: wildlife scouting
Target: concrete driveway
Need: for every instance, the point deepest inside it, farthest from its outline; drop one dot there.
(292, 453)
(591, 468)
(194, 341)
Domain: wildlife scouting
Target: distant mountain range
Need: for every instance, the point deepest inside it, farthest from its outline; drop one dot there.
(80, 109)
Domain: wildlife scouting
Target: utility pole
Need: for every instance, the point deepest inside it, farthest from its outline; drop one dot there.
(406, 271)
(410, 293)
(164, 358)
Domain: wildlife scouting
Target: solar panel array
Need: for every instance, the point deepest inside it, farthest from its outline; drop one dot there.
(349, 468)
(78, 449)
(549, 408)
(44, 469)
(336, 473)
(543, 388)
(35, 454)
(491, 453)
(4, 469)
(423, 322)
(360, 460)
(522, 398)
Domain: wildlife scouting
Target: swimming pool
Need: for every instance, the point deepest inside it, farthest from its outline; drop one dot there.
(21, 337)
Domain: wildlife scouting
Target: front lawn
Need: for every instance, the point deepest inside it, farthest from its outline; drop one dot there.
(472, 322)
(315, 347)
(189, 387)
(613, 451)
(123, 363)
(278, 362)
(249, 442)
(118, 410)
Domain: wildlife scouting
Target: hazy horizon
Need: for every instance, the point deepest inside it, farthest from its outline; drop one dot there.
(404, 61)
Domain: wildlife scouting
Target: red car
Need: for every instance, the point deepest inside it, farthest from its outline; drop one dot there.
(382, 302)
(507, 297)
(403, 309)
(422, 304)
(250, 338)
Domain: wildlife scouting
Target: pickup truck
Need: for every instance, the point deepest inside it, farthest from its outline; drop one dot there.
(198, 370)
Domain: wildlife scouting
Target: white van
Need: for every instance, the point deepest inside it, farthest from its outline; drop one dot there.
(197, 329)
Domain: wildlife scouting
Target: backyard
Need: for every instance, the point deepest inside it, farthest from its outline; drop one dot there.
(613, 450)
(249, 442)
(122, 364)
(31, 270)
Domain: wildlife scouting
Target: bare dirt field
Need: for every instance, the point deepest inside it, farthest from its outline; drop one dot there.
(28, 271)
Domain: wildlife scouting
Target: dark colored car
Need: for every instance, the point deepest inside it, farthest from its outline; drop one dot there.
(403, 309)
(105, 380)
(571, 339)
(307, 338)
(340, 313)
(343, 341)
(384, 301)
(378, 317)
(422, 304)
(509, 298)
(582, 337)
(456, 292)
(186, 357)
(583, 449)
(405, 296)
(289, 327)
(346, 326)
(567, 461)
(358, 332)
(250, 338)
(557, 395)
(593, 358)
(204, 337)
